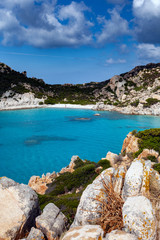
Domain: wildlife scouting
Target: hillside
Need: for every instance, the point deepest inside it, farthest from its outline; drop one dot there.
(136, 92)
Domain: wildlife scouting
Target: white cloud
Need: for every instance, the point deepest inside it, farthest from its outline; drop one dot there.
(147, 20)
(115, 26)
(149, 51)
(45, 24)
(146, 8)
(115, 61)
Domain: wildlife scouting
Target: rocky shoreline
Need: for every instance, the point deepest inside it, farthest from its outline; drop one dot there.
(28, 101)
(122, 201)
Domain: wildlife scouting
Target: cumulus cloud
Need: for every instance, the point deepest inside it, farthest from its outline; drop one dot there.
(115, 61)
(147, 20)
(148, 51)
(115, 26)
(44, 23)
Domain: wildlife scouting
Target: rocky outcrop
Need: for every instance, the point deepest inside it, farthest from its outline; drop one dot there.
(113, 158)
(51, 222)
(10, 100)
(139, 218)
(130, 144)
(90, 206)
(40, 184)
(148, 152)
(18, 209)
(71, 166)
(86, 232)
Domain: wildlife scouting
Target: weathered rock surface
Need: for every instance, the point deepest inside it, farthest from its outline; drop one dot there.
(35, 234)
(18, 209)
(87, 211)
(71, 166)
(86, 232)
(130, 144)
(133, 179)
(148, 152)
(120, 235)
(113, 158)
(138, 218)
(51, 222)
(40, 184)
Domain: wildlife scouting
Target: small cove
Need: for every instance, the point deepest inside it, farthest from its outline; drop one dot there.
(38, 141)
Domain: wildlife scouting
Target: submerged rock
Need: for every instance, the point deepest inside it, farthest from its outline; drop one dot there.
(51, 222)
(86, 232)
(18, 209)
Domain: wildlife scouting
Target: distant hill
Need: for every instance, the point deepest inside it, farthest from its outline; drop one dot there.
(141, 86)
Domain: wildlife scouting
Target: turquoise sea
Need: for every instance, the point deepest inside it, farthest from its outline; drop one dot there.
(38, 141)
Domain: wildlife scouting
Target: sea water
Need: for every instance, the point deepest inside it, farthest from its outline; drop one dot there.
(37, 141)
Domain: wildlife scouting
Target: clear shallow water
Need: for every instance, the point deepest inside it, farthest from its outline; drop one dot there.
(38, 141)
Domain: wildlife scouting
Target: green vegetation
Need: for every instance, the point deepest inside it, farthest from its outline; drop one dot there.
(157, 167)
(150, 102)
(149, 139)
(135, 103)
(62, 191)
(104, 163)
(156, 89)
(152, 158)
(138, 88)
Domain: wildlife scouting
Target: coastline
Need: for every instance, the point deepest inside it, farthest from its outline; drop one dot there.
(129, 110)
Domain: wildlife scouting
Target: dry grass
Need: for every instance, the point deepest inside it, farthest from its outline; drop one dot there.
(111, 213)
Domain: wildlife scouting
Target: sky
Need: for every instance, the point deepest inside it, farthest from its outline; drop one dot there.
(63, 41)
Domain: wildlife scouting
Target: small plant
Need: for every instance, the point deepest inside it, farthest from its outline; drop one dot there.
(150, 102)
(111, 211)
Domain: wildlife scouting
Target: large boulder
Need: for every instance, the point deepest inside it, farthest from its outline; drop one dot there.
(138, 218)
(18, 209)
(120, 235)
(86, 232)
(51, 222)
(90, 202)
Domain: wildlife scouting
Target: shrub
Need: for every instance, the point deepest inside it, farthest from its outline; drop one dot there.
(157, 167)
(135, 103)
(150, 102)
(149, 139)
(152, 158)
(104, 163)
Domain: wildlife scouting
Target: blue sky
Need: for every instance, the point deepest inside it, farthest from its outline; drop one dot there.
(65, 41)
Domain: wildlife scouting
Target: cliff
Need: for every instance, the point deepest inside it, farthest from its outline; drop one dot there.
(134, 92)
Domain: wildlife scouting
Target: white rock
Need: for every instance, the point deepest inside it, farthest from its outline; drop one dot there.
(87, 211)
(18, 209)
(35, 234)
(138, 218)
(86, 232)
(133, 179)
(120, 235)
(51, 222)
